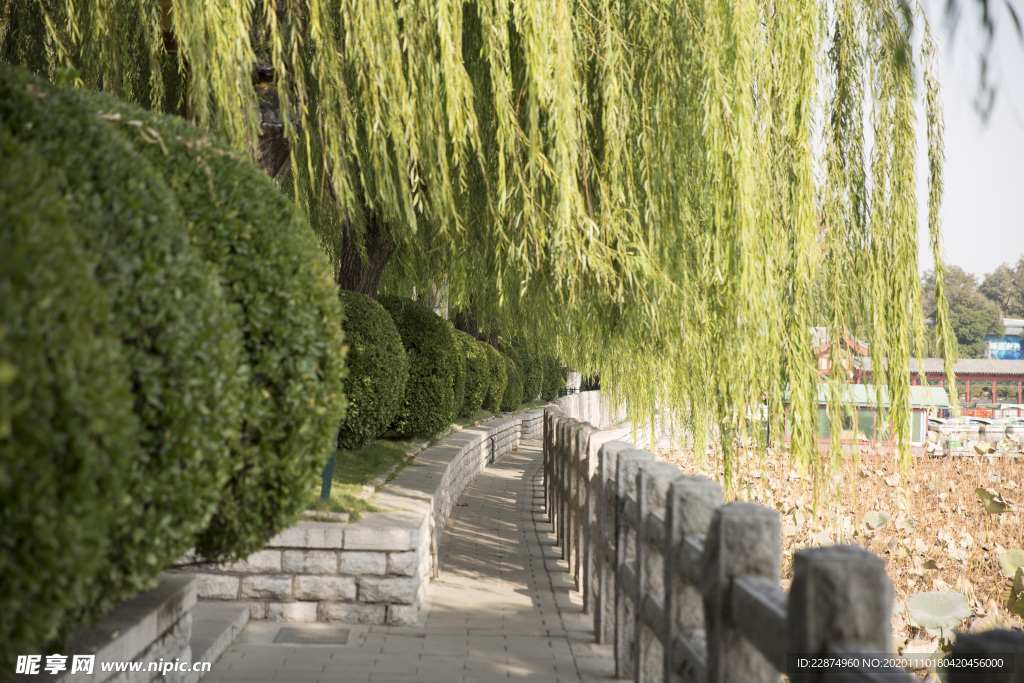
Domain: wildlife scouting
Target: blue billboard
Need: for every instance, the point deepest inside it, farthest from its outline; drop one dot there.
(1006, 347)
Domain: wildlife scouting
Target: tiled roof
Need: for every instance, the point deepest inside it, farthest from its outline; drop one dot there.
(966, 366)
(869, 395)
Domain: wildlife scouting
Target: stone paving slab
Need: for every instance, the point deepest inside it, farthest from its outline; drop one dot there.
(504, 606)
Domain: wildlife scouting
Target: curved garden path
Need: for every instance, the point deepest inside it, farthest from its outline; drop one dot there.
(503, 607)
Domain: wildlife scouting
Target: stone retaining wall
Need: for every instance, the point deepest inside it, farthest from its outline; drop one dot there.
(153, 627)
(376, 570)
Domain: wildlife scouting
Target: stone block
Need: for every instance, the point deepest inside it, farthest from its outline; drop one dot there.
(349, 613)
(261, 562)
(257, 610)
(309, 561)
(217, 586)
(266, 587)
(327, 535)
(357, 563)
(388, 590)
(402, 564)
(330, 588)
(403, 615)
(383, 532)
(292, 611)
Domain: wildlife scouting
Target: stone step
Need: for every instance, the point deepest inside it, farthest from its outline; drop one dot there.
(215, 625)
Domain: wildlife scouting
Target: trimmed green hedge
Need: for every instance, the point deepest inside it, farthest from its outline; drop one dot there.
(531, 365)
(285, 303)
(180, 337)
(377, 370)
(513, 396)
(429, 404)
(67, 430)
(459, 381)
(554, 378)
(478, 373)
(498, 378)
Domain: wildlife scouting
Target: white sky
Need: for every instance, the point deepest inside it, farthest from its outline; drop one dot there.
(983, 203)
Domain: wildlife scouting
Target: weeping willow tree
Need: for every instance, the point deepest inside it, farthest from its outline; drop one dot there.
(651, 188)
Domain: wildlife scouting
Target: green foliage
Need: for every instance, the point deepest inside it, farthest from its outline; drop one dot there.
(478, 377)
(429, 404)
(285, 304)
(554, 378)
(1005, 287)
(660, 205)
(377, 370)
(530, 365)
(971, 315)
(67, 430)
(461, 371)
(513, 395)
(169, 311)
(498, 378)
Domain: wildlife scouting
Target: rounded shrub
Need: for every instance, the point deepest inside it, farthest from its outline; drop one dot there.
(478, 373)
(168, 309)
(532, 367)
(285, 303)
(67, 428)
(429, 404)
(377, 370)
(554, 378)
(459, 381)
(498, 378)
(513, 396)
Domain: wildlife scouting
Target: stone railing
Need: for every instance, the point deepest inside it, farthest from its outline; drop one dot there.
(375, 570)
(687, 587)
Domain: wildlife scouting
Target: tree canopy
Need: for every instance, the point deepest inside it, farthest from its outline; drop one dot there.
(650, 188)
(1004, 286)
(972, 315)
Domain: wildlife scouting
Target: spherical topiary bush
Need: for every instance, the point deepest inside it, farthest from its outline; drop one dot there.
(478, 373)
(168, 309)
(498, 378)
(459, 380)
(429, 403)
(286, 305)
(554, 378)
(377, 370)
(513, 395)
(532, 368)
(67, 429)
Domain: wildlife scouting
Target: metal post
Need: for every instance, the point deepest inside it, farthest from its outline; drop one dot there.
(328, 475)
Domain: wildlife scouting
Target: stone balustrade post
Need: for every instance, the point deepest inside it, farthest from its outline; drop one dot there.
(995, 644)
(606, 526)
(591, 533)
(626, 523)
(743, 540)
(691, 504)
(841, 596)
(580, 494)
(653, 482)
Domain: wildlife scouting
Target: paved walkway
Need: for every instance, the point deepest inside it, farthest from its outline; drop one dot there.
(503, 607)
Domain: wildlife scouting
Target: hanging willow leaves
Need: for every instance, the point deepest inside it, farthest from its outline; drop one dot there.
(667, 194)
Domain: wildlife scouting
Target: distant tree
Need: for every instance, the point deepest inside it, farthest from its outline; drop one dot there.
(1005, 287)
(971, 314)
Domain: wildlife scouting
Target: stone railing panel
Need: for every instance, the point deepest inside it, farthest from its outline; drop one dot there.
(687, 587)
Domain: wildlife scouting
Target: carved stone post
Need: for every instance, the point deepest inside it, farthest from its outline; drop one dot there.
(743, 540)
(652, 485)
(591, 532)
(629, 463)
(691, 504)
(606, 557)
(841, 596)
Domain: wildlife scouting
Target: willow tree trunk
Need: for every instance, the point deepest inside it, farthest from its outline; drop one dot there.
(360, 274)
